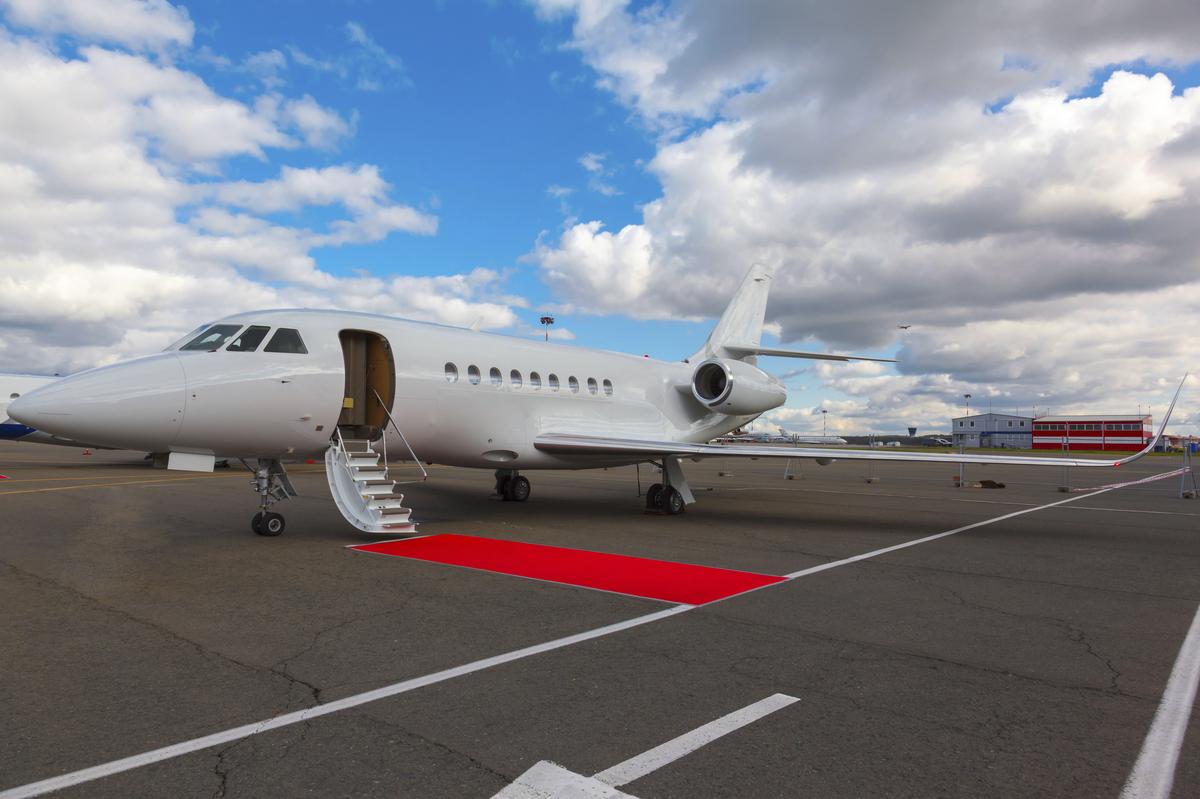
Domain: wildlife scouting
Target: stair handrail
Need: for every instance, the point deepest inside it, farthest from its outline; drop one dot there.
(416, 460)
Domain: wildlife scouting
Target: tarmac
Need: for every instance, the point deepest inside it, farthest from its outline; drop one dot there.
(1024, 653)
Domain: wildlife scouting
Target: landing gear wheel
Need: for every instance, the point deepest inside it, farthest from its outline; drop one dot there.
(256, 523)
(517, 489)
(502, 487)
(672, 502)
(654, 497)
(271, 524)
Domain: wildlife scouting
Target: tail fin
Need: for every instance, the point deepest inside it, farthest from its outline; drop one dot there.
(742, 321)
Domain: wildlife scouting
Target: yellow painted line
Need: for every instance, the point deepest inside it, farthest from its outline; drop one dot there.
(134, 482)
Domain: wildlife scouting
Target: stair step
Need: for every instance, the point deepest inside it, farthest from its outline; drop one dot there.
(383, 488)
(395, 511)
(363, 459)
(402, 527)
(373, 472)
(386, 503)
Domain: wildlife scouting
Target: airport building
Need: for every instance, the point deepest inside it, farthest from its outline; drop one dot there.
(1108, 432)
(1000, 430)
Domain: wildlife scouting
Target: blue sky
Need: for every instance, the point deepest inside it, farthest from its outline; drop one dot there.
(486, 111)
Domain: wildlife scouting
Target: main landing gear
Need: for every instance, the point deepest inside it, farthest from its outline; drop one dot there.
(672, 495)
(511, 486)
(272, 485)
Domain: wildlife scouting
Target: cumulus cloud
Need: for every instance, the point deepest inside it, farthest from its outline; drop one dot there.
(942, 164)
(121, 233)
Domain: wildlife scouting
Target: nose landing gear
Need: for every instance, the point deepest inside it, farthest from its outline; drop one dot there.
(272, 485)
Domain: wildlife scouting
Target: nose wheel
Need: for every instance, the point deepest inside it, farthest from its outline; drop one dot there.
(267, 523)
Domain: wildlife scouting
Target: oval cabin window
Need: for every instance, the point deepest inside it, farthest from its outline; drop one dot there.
(451, 373)
(514, 377)
(608, 389)
(592, 385)
(552, 381)
(473, 374)
(495, 377)
(535, 380)
(573, 384)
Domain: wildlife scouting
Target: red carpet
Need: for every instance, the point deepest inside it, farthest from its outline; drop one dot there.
(653, 579)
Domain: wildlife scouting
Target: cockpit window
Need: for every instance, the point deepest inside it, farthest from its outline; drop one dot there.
(212, 338)
(249, 340)
(287, 340)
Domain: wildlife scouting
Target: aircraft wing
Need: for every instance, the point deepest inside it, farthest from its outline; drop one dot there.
(739, 350)
(602, 445)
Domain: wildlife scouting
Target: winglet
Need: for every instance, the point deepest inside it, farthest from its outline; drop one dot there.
(474, 328)
(1162, 428)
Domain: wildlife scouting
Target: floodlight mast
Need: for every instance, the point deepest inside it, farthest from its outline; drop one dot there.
(546, 322)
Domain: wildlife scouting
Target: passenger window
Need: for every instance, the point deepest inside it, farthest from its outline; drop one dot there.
(573, 384)
(514, 377)
(249, 340)
(591, 385)
(473, 374)
(608, 390)
(552, 381)
(286, 340)
(495, 377)
(535, 380)
(213, 338)
(451, 373)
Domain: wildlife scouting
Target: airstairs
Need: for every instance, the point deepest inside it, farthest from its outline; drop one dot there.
(366, 496)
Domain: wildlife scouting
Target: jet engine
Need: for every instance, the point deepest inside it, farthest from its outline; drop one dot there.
(736, 388)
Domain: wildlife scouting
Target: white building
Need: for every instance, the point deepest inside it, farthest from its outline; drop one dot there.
(1001, 430)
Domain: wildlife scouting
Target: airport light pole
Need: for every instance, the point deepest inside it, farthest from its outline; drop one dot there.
(967, 397)
(823, 415)
(546, 322)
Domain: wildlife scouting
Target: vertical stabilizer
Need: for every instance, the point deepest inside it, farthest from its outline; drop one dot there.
(742, 321)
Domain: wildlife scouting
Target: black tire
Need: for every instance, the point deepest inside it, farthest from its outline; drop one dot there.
(272, 524)
(654, 497)
(256, 522)
(672, 502)
(518, 489)
(502, 486)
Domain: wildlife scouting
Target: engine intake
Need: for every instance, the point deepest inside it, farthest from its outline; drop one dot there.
(736, 388)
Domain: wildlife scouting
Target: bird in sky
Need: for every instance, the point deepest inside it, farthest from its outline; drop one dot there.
(904, 327)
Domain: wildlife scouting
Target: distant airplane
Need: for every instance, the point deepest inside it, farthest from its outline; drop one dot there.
(13, 386)
(904, 327)
(361, 389)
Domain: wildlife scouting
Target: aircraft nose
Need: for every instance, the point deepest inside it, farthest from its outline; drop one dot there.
(137, 404)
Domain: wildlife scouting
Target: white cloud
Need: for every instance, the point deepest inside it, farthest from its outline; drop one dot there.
(931, 165)
(138, 24)
(120, 233)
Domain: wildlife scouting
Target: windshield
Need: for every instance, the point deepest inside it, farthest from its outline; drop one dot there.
(249, 340)
(212, 338)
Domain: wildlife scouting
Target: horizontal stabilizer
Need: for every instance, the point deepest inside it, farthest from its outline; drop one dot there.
(742, 350)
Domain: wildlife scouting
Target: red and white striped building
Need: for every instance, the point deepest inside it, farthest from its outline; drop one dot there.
(1127, 433)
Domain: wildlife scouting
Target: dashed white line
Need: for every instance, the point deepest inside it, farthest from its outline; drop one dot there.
(1154, 771)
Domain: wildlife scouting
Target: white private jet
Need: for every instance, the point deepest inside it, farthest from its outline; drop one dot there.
(271, 385)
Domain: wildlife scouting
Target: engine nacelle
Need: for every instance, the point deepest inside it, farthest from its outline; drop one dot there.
(736, 388)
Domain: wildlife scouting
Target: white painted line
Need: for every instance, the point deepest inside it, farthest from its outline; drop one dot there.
(246, 730)
(672, 750)
(896, 547)
(1154, 771)
(218, 738)
(546, 780)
